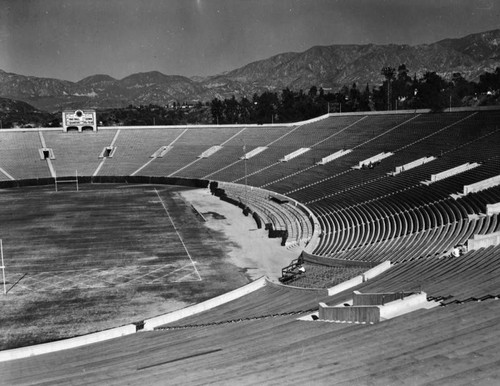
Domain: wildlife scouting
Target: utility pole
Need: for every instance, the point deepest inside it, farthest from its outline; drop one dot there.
(3, 267)
(388, 94)
(388, 73)
(245, 163)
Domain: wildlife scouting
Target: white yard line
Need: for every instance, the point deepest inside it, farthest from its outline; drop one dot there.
(178, 235)
(158, 269)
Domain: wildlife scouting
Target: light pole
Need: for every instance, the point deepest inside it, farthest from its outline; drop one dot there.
(245, 163)
(2, 267)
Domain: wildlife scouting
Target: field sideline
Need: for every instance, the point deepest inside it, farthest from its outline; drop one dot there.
(108, 255)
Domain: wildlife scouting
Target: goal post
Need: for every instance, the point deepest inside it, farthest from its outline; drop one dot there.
(65, 181)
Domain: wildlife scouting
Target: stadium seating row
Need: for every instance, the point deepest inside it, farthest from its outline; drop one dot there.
(364, 214)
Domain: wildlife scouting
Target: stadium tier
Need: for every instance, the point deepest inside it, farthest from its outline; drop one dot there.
(258, 339)
(77, 153)
(349, 193)
(19, 156)
(366, 211)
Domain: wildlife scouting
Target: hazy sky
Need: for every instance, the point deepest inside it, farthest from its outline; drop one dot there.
(71, 39)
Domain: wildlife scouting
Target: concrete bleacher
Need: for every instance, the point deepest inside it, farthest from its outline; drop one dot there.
(282, 216)
(135, 147)
(398, 199)
(78, 152)
(370, 137)
(365, 216)
(19, 155)
(187, 148)
(271, 345)
(306, 135)
(471, 276)
(363, 213)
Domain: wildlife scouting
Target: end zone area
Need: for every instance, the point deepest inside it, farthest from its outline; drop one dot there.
(108, 255)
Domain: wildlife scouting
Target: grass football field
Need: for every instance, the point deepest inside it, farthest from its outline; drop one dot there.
(105, 256)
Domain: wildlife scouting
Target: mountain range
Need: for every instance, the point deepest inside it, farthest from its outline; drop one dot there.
(329, 67)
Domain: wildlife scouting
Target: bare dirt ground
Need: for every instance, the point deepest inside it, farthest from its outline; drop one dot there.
(249, 248)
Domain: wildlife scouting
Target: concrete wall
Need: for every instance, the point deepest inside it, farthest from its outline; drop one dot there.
(451, 172)
(481, 185)
(413, 164)
(345, 285)
(359, 314)
(492, 209)
(372, 299)
(375, 313)
(392, 112)
(151, 324)
(371, 273)
(483, 241)
(403, 306)
(332, 262)
(377, 270)
(65, 344)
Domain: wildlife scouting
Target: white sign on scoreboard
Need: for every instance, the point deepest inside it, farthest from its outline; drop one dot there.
(79, 120)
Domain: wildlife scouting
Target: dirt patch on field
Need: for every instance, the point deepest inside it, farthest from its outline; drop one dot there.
(248, 248)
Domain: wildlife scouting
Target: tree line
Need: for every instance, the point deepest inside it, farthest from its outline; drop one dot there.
(399, 91)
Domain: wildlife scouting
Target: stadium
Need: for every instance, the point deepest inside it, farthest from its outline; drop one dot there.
(387, 222)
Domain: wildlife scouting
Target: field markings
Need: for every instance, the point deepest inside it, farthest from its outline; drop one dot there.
(88, 278)
(181, 279)
(178, 235)
(93, 278)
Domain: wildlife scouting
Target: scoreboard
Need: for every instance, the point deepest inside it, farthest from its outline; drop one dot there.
(79, 120)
